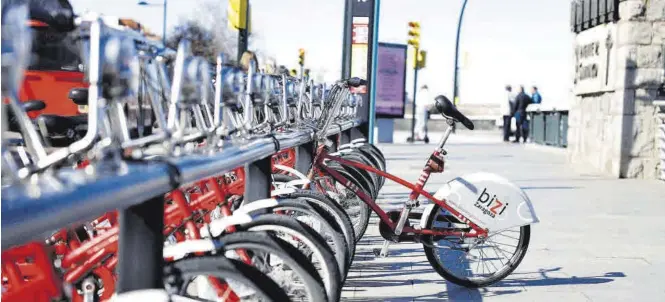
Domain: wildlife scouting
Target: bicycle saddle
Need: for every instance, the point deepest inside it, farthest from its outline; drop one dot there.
(79, 96)
(33, 105)
(57, 125)
(448, 110)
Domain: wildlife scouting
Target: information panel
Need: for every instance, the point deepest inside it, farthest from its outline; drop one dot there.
(390, 80)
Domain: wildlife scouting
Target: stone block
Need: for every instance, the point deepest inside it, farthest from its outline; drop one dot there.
(637, 136)
(650, 56)
(634, 32)
(659, 32)
(641, 78)
(623, 102)
(639, 167)
(626, 56)
(655, 10)
(631, 10)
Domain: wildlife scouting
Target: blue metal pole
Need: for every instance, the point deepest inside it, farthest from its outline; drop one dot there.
(455, 77)
(372, 98)
(164, 25)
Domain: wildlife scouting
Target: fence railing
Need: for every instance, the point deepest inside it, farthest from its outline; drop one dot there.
(548, 126)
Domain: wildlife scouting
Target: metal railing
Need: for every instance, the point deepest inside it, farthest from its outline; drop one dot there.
(548, 126)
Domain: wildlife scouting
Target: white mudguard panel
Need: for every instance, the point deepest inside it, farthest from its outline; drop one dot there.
(489, 200)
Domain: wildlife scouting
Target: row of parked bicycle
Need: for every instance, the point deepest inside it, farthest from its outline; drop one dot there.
(150, 104)
(229, 184)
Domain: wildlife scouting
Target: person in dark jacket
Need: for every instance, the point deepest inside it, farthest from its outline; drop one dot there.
(522, 100)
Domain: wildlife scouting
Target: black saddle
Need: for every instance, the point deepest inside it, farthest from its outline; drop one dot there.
(79, 96)
(448, 110)
(62, 131)
(33, 105)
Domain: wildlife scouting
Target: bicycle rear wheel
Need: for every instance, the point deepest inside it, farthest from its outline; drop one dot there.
(473, 262)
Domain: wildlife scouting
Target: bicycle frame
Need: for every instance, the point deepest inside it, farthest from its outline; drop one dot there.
(416, 190)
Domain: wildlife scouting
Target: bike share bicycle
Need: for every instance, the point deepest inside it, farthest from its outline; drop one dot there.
(479, 222)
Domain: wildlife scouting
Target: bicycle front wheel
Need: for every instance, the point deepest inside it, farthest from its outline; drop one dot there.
(209, 278)
(473, 262)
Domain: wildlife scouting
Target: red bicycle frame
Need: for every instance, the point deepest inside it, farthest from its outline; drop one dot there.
(416, 191)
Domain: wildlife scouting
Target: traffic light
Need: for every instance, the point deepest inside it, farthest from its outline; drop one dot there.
(306, 73)
(237, 13)
(414, 34)
(421, 58)
(293, 72)
(301, 57)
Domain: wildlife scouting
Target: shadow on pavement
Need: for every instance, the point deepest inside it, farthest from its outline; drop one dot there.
(514, 284)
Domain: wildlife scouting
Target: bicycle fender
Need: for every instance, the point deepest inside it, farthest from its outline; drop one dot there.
(489, 200)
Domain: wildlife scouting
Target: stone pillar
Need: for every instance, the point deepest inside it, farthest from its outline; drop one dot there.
(619, 69)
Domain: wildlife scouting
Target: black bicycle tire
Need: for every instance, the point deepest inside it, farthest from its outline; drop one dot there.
(289, 254)
(334, 287)
(224, 268)
(324, 203)
(431, 257)
(340, 248)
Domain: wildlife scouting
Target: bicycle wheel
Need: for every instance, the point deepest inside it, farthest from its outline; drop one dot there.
(325, 205)
(473, 262)
(192, 277)
(306, 240)
(280, 261)
(352, 205)
(303, 212)
(356, 208)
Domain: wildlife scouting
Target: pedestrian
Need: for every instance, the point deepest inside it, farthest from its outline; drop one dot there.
(423, 103)
(522, 100)
(507, 108)
(248, 59)
(535, 95)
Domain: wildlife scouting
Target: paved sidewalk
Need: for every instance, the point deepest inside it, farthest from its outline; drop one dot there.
(599, 239)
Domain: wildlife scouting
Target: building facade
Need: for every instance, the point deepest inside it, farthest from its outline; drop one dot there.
(619, 71)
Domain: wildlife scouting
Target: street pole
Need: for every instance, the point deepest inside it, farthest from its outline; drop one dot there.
(413, 104)
(455, 77)
(243, 35)
(164, 26)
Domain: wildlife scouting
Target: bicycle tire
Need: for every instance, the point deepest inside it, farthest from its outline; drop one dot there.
(329, 270)
(525, 235)
(296, 260)
(179, 274)
(321, 202)
(332, 229)
(364, 212)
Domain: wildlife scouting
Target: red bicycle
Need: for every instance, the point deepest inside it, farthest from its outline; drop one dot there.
(474, 233)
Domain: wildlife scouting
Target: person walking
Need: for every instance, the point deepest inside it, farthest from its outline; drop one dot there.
(507, 108)
(423, 102)
(522, 100)
(535, 95)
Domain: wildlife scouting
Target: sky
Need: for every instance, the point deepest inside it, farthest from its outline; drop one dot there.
(516, 42)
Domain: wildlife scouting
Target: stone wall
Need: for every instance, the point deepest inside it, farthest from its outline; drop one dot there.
(619, 68)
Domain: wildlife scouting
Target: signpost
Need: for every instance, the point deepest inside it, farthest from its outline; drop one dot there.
(360, 46)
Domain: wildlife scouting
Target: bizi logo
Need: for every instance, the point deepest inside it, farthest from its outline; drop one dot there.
(490, 206)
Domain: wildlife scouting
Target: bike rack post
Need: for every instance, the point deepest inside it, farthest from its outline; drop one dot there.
(258, 179)
(304, 157)
(141, 245)
(345, 136)
(355, 133)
